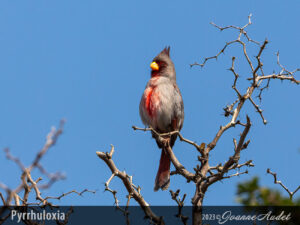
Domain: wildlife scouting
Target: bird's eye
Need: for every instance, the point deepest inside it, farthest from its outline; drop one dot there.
(159, 62)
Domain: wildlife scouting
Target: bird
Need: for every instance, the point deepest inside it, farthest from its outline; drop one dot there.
(161, 108)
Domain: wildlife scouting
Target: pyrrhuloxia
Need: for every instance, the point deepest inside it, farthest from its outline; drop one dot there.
(161, 108)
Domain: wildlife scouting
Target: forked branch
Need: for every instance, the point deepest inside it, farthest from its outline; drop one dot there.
(276, 181)
(133, 190)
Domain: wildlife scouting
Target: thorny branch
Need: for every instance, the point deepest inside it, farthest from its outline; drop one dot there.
(242, 33)
(50, 141)
(291, 193)
(204, 181)
(180, 203)
(70, 192)
(257, 71)
(198, 147)
(28, 184)
(234, 109)
(133, 190)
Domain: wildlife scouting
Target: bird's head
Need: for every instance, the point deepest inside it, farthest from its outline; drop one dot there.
(162, 65)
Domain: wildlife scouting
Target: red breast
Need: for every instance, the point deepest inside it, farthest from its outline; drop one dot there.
(151, 97)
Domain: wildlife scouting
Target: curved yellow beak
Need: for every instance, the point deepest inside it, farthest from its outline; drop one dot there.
(154, 66)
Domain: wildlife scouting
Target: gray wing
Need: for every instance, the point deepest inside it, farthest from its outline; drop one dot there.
(178, 108)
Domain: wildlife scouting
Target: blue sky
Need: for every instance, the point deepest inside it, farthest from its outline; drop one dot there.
(88, 62)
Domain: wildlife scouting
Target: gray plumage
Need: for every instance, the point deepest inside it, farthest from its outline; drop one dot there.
(161, 107)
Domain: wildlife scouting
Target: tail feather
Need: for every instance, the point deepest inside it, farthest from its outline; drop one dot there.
(162, 179)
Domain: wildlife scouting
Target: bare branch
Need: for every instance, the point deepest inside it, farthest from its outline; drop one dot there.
(235, 79)
(262, 89)
(279, 77)
(236, 174)
(70, 192)
(238, 166)
(212, 57)
(179, 167)
(163, 135)
(28, 184)
(180, 203)
(259, 63)
(9, 156)
(2, 198)
(258, 110)
(284, 74)
(291, 193)
(107, 158)
(50, 141)
(203, 182)
(241, 33)
(236, 156)
(36, 189)
(27, 188)
(283, 69)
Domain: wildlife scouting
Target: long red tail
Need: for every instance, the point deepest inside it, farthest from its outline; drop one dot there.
(162, 179)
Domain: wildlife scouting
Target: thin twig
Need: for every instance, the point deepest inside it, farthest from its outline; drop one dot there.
(180, 202)
(291, 193)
